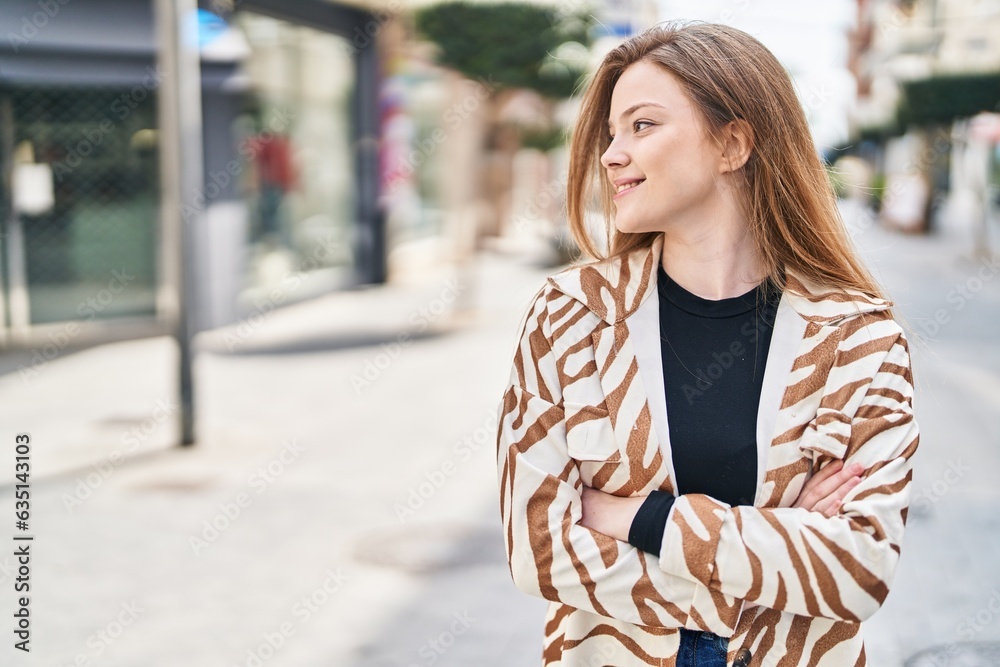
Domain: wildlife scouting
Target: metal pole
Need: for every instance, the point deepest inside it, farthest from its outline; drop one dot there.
(182, 175)
(17, 274)
(371, 245)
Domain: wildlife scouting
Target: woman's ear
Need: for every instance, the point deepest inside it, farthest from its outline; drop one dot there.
(737, 144)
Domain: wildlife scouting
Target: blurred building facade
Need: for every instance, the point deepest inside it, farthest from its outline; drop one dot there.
(896, 41)
(944, 173)
(289, 207)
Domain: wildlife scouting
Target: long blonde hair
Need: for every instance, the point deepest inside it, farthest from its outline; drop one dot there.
(729, 76)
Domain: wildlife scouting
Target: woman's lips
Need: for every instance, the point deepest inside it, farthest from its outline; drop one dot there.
(627, 190)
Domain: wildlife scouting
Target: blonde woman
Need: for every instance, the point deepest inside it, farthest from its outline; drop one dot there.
(704, 450)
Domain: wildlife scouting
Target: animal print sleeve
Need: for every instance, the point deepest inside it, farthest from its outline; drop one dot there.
(803, 562)
(550, 554)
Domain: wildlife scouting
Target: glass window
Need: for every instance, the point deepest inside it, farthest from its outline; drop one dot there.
(85, 182)
(295, 133)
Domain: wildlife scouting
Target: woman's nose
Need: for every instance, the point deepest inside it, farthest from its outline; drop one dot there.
(614, 156)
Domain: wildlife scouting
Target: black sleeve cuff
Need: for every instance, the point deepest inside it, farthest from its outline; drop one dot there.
(646, 531)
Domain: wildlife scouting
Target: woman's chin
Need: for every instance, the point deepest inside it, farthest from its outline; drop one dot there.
(632, 226)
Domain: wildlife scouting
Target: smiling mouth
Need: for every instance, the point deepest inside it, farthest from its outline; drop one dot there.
(622, 189)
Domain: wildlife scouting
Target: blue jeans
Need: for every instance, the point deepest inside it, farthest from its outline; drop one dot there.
(701, 649)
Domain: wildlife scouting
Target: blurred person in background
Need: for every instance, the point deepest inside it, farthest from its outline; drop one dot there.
(275, 169)
(763, 520)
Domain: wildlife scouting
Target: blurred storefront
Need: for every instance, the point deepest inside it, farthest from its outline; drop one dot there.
(304, 126)
(290, 200)
(79, 161)
(926, 72)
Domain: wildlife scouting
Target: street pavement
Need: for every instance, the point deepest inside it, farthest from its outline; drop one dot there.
(340, 506)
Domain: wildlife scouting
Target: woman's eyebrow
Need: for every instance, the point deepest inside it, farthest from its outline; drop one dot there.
(634, 108)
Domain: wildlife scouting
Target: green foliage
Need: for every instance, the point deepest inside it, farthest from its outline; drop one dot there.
(878, 189)
(945, 98)
(836, 181)
(543, 140)
(513, 44)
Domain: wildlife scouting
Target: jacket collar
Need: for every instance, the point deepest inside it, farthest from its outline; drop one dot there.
(614, 289)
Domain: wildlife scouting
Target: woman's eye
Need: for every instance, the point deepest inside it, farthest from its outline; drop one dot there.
(637, 123)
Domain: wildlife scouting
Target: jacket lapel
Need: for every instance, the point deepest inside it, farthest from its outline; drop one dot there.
(633, 416)
(622, 292)
(786, 340)
(644, 326)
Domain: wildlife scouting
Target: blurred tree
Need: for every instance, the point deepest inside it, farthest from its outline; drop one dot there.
(945, 98)
(516, 47)
(928, 107)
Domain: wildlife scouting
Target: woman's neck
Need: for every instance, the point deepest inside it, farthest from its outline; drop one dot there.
(714, 259)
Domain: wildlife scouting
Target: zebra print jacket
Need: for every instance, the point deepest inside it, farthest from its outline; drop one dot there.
(586, 406)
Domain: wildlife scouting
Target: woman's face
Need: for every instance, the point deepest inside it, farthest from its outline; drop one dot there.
(661, 162)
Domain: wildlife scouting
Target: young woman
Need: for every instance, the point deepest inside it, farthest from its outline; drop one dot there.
(704, 450)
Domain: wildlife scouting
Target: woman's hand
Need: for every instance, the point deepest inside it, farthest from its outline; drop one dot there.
(825, 491)
(608, 514)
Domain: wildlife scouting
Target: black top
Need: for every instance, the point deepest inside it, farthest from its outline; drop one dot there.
(713, 354)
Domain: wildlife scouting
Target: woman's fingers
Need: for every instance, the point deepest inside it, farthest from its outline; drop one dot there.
(828, 485)
(827, 508)
(830, 505)
(824, 491)
(810, 494)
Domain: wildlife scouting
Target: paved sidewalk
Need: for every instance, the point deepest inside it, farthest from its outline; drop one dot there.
(340, 507)
(281, 526)
(947, 588)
